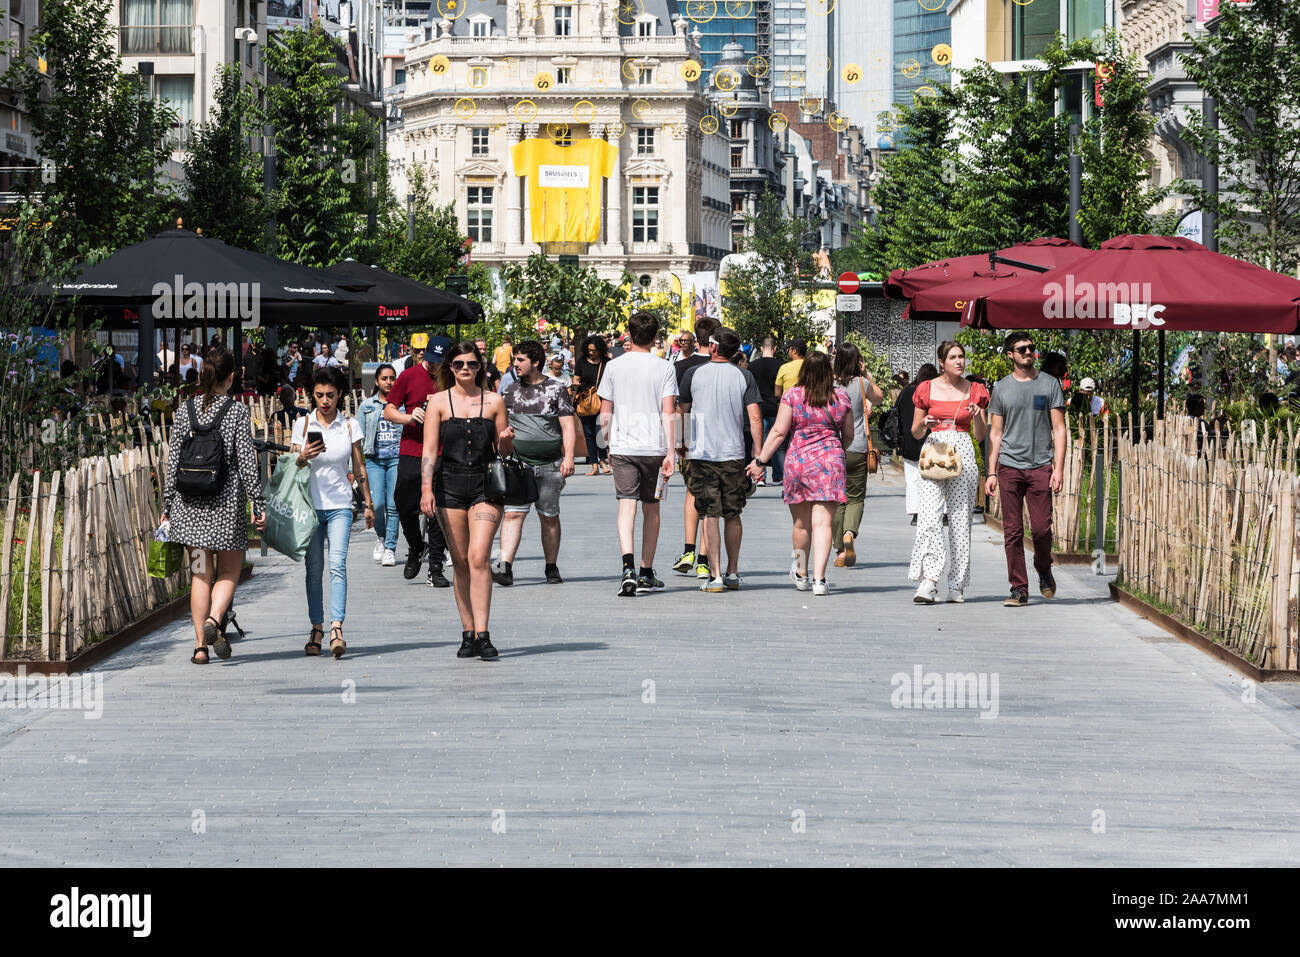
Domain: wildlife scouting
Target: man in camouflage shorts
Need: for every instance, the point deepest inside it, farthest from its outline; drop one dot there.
(720, 399)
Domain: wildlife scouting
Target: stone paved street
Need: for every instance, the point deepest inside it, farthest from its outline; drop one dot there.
(771, 738)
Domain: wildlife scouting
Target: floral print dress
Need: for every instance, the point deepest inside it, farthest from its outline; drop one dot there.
(814, 464)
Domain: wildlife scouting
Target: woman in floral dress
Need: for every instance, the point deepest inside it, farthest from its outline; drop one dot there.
(818, 413)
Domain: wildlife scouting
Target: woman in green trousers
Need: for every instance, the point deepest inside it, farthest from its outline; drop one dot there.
(864, 394)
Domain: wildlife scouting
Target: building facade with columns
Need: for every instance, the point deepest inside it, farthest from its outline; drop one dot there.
(564, 76)
(1154, 31)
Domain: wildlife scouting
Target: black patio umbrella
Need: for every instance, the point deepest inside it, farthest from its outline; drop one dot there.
(180, 278)
(389, 300)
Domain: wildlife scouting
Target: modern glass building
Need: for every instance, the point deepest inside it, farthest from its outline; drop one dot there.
(920, 26)
(803, 48)
(747, 22)
(1034, 25)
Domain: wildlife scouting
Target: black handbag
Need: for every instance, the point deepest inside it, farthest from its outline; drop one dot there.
(512, 481)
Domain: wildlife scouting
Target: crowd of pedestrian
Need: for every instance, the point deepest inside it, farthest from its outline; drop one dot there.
(456, 457)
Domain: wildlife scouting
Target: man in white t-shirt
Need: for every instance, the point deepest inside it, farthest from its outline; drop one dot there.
(638, 397)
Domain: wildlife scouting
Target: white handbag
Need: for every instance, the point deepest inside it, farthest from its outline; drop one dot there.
(940, 461)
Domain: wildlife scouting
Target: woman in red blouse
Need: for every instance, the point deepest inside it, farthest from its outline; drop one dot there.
(951, 408)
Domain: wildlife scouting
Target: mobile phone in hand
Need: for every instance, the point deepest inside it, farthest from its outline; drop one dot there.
(314, 436)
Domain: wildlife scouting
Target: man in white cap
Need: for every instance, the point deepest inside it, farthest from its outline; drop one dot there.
(1090, 401)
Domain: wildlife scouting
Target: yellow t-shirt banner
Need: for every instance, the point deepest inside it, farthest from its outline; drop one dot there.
(564, 187)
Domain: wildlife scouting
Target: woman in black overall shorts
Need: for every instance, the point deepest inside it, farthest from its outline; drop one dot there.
(464, 426)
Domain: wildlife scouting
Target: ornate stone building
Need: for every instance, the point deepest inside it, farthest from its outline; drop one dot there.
(757, 151)
(1153, 30)
(488, 77)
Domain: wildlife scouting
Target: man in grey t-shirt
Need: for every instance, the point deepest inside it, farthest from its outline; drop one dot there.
(721, 399)
(1027, 442)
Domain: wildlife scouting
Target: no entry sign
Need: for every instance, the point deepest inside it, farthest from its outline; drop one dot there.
(849, 283)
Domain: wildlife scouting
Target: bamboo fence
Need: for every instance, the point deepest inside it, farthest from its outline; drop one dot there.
(1212, 537)
(74, 559)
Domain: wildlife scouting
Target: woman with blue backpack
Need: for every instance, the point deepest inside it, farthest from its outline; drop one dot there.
(211, 472)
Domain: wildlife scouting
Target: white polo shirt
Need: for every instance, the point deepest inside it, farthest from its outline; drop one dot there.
(330, 487)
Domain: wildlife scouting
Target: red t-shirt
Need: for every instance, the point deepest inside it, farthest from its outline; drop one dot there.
(411, 390)
(950, 409)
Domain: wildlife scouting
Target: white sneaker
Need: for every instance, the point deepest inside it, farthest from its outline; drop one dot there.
(926, 593)
(955, 596)
(820, 587)
(389, 558)
(378, 553)
(800, 581)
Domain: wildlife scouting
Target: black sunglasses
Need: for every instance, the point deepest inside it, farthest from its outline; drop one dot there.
(1025, 350)
(471, 365)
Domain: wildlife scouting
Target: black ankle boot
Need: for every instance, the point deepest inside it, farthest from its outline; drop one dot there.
(468, 645)
(485, 648)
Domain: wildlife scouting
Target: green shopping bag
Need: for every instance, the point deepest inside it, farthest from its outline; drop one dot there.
(290, 516)
(164, 558)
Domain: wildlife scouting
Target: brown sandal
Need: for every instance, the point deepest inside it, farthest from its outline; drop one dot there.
(195, 659)
(337, 650)
(313, 647)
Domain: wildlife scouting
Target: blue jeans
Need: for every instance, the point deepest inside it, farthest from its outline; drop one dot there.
(382, 476)
(336, 525)
(778, 458)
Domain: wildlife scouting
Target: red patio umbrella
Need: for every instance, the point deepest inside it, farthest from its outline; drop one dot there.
(944, 302)
(1143, 283)
(1048, 251)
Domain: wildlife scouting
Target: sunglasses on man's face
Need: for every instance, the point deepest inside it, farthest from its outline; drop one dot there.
(471, 365)
(1025, 350)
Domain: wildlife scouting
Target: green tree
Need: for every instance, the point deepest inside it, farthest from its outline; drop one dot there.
(986, 165)
(575, 298)
(439, 244)
(103, 139)
(1012, 167)
(761, 296)
(223, 174)
(322, 191)
(1248, 64)
(1117, 195)
(915, 198)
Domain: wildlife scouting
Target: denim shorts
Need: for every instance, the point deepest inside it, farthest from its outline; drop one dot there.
(550, 483)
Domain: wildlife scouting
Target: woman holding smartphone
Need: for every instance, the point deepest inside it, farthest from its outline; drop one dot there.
(214, 528)
(329, 442)
(951, 407)
(465, 429)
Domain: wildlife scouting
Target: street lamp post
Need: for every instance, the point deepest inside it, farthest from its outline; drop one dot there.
(1076, 186)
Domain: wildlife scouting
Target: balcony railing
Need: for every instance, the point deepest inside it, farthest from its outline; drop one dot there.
(157, 40)
(648, 249)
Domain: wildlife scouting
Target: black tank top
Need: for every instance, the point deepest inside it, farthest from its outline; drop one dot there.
(467, 444)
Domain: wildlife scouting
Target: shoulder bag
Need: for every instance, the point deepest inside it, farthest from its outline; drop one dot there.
(873, 457)
(513, 481)
(588, 401)
(510, 480)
